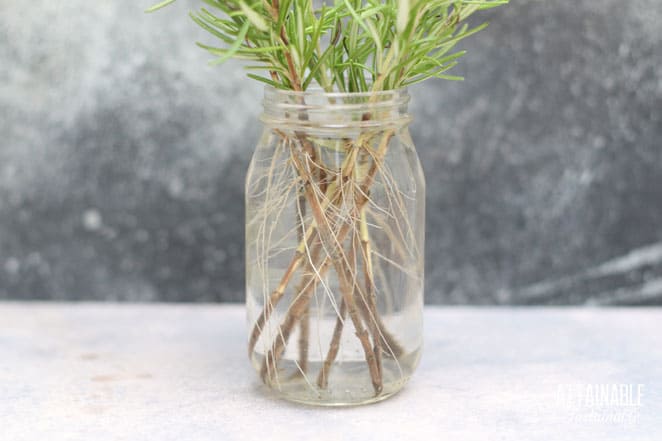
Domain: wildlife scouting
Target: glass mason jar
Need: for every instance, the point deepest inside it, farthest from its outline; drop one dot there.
(335, 218)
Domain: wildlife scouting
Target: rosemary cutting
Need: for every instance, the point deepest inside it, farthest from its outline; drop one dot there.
(363, 47)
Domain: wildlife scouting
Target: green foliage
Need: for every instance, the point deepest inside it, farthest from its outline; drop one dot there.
(346, 45)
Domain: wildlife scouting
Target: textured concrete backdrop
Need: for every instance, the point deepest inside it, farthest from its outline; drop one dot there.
(122, 157)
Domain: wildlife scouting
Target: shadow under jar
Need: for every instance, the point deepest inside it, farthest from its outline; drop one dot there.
(335, 213)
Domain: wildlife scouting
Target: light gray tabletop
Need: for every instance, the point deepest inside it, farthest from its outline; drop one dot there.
(180, 372)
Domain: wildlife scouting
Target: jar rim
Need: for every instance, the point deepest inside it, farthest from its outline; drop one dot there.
(318, 91)
(317, 108)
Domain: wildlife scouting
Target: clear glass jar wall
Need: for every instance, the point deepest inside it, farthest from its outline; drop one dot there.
(335, 212)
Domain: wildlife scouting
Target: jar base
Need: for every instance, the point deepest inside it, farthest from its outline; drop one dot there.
(349, 382)
(321, 401)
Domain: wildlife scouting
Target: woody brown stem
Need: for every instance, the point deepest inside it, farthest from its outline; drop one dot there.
(336, 195)
(367, 297)
(304, 335)
(295, 81)
(332, 243)
(334, 347)
(304, 247)
(343, 266)
(297, 309)
(274, 298)
(304, 326)
(349, 292)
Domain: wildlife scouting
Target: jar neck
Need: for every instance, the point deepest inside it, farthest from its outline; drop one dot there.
(321, 110)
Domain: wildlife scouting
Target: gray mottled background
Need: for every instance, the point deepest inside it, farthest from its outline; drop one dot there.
(122, 157)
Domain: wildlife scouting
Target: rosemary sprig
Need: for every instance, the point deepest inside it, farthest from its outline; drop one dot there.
(346, 45)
